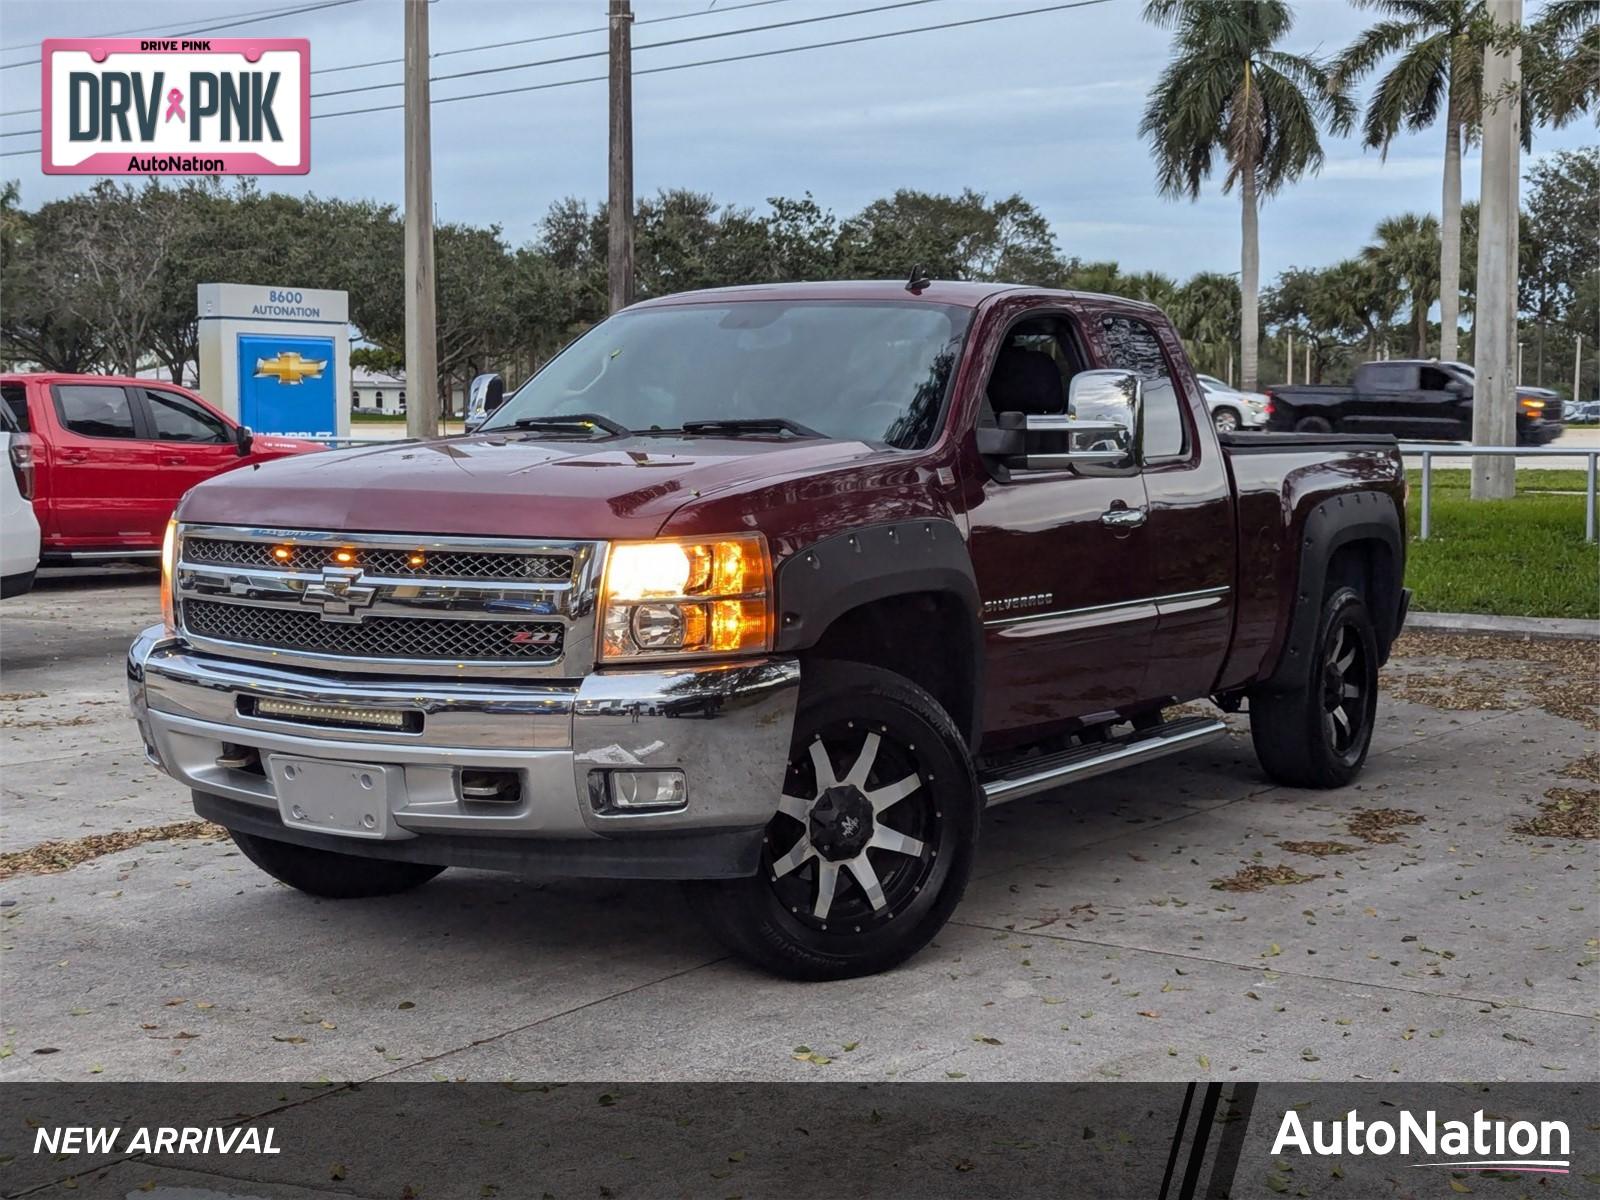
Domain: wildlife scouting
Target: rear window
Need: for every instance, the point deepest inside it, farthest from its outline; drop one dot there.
(1131, 345)
(15, 396)
(95, 410)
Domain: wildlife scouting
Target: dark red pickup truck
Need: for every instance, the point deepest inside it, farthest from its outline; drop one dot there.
(770, 589)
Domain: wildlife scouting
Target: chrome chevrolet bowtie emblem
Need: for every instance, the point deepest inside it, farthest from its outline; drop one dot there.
(339, 593)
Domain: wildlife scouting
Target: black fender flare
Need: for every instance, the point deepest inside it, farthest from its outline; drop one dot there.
(817, 585)
(1338, 521)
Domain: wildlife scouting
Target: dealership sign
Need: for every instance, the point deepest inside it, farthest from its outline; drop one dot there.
(177, 106)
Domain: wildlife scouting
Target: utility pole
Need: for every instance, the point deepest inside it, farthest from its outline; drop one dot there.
(1577, 370)
(1289, 359)
(619, 241)
(1494, 417)
(422, 347)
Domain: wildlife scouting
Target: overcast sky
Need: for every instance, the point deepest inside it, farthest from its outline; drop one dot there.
(1046, 105)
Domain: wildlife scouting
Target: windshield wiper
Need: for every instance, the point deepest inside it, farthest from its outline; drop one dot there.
(580, 423)
(735, 426)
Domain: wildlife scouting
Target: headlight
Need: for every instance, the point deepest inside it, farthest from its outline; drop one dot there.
(169, 554)
(675, 598)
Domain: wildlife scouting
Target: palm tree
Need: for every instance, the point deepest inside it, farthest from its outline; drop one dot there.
(1356, 299)
(1228, 91)
(1440, 48)
(1206, 312)
(1406, 254)
(1565, 45)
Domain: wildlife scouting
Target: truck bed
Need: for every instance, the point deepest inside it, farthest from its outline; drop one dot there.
(1281, 481)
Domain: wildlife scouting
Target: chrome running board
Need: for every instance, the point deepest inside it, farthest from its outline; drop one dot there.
(1053, 770)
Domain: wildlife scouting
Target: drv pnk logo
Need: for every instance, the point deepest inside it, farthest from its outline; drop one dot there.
(169, 106)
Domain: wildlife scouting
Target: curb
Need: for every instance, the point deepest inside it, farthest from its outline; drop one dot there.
(1531, 627)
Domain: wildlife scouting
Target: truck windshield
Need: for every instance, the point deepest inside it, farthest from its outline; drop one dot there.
(873, 372)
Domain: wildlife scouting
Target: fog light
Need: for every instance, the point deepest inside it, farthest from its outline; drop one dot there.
(634, 790)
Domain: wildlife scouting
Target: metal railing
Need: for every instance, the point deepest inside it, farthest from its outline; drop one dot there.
(1430, 451)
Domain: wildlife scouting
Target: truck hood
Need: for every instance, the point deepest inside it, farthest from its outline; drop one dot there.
(512, 486)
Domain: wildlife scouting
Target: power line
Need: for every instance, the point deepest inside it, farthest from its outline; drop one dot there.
(732, 58)
(545, 37)
(539, 87)
(699, 37)
(384, 62)
(245, 19)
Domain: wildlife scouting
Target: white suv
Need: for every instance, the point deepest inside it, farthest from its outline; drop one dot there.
(19, 528)
(1232, 409)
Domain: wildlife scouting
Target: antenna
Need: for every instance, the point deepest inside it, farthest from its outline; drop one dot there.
(918, 281)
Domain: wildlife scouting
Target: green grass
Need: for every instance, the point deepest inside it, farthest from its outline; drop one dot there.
(377, 418)
(1459, 479)
(1523, 557)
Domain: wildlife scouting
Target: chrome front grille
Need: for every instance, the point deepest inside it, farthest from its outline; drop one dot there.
(382, 602)
(446, 639)
(404, 564)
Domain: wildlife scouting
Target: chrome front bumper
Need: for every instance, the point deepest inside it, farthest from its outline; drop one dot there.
(725, 725)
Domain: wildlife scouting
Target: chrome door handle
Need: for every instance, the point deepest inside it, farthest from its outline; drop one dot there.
(1123, 518)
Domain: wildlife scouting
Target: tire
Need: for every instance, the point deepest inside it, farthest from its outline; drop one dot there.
(19, 584)
(1225, 419)
(1313, 425)
(779, 919)
(330, 874)
(1317, 734)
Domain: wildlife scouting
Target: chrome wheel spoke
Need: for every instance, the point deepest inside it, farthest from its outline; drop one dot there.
(1351, 692)
(893, 793)
(884, 838)
(861, 868)
(863, 764)
(798, 854)
(827, 884)
(823, 766)
(794, 806)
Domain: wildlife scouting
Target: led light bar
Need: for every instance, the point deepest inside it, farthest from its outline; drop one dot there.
(332, 714)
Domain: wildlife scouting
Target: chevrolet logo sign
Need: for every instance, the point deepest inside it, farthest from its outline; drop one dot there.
(288, 367)
(339, 593)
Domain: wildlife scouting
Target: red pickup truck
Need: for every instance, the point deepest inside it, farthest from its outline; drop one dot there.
(111, 456)
(772, 590)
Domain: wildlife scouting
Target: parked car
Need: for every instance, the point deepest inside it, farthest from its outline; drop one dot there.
(19, 528)
(1412, 399)
(770, 589)
(1230, 408)
(1584, 412)
(112, 456)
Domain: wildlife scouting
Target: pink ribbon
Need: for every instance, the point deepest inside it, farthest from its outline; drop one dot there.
(175, 105)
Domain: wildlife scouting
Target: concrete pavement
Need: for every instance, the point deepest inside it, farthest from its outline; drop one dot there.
(1091, 944)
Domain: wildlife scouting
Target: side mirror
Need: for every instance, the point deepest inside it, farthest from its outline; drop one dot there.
(1102, 424)
(487, 393)
(243, 438)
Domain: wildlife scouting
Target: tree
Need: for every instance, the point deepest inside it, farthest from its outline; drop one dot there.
(1564, 46)
(1206, 312)
(1228, 90)
(1439, 44)
(35, 328)
(1560, 249)
(112, 243)
(950, 237)
(1406, 253)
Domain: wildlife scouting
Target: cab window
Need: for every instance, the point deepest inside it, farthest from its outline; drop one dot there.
(1131, 345)
(179, 419)
(95, 410)
(16, 402)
